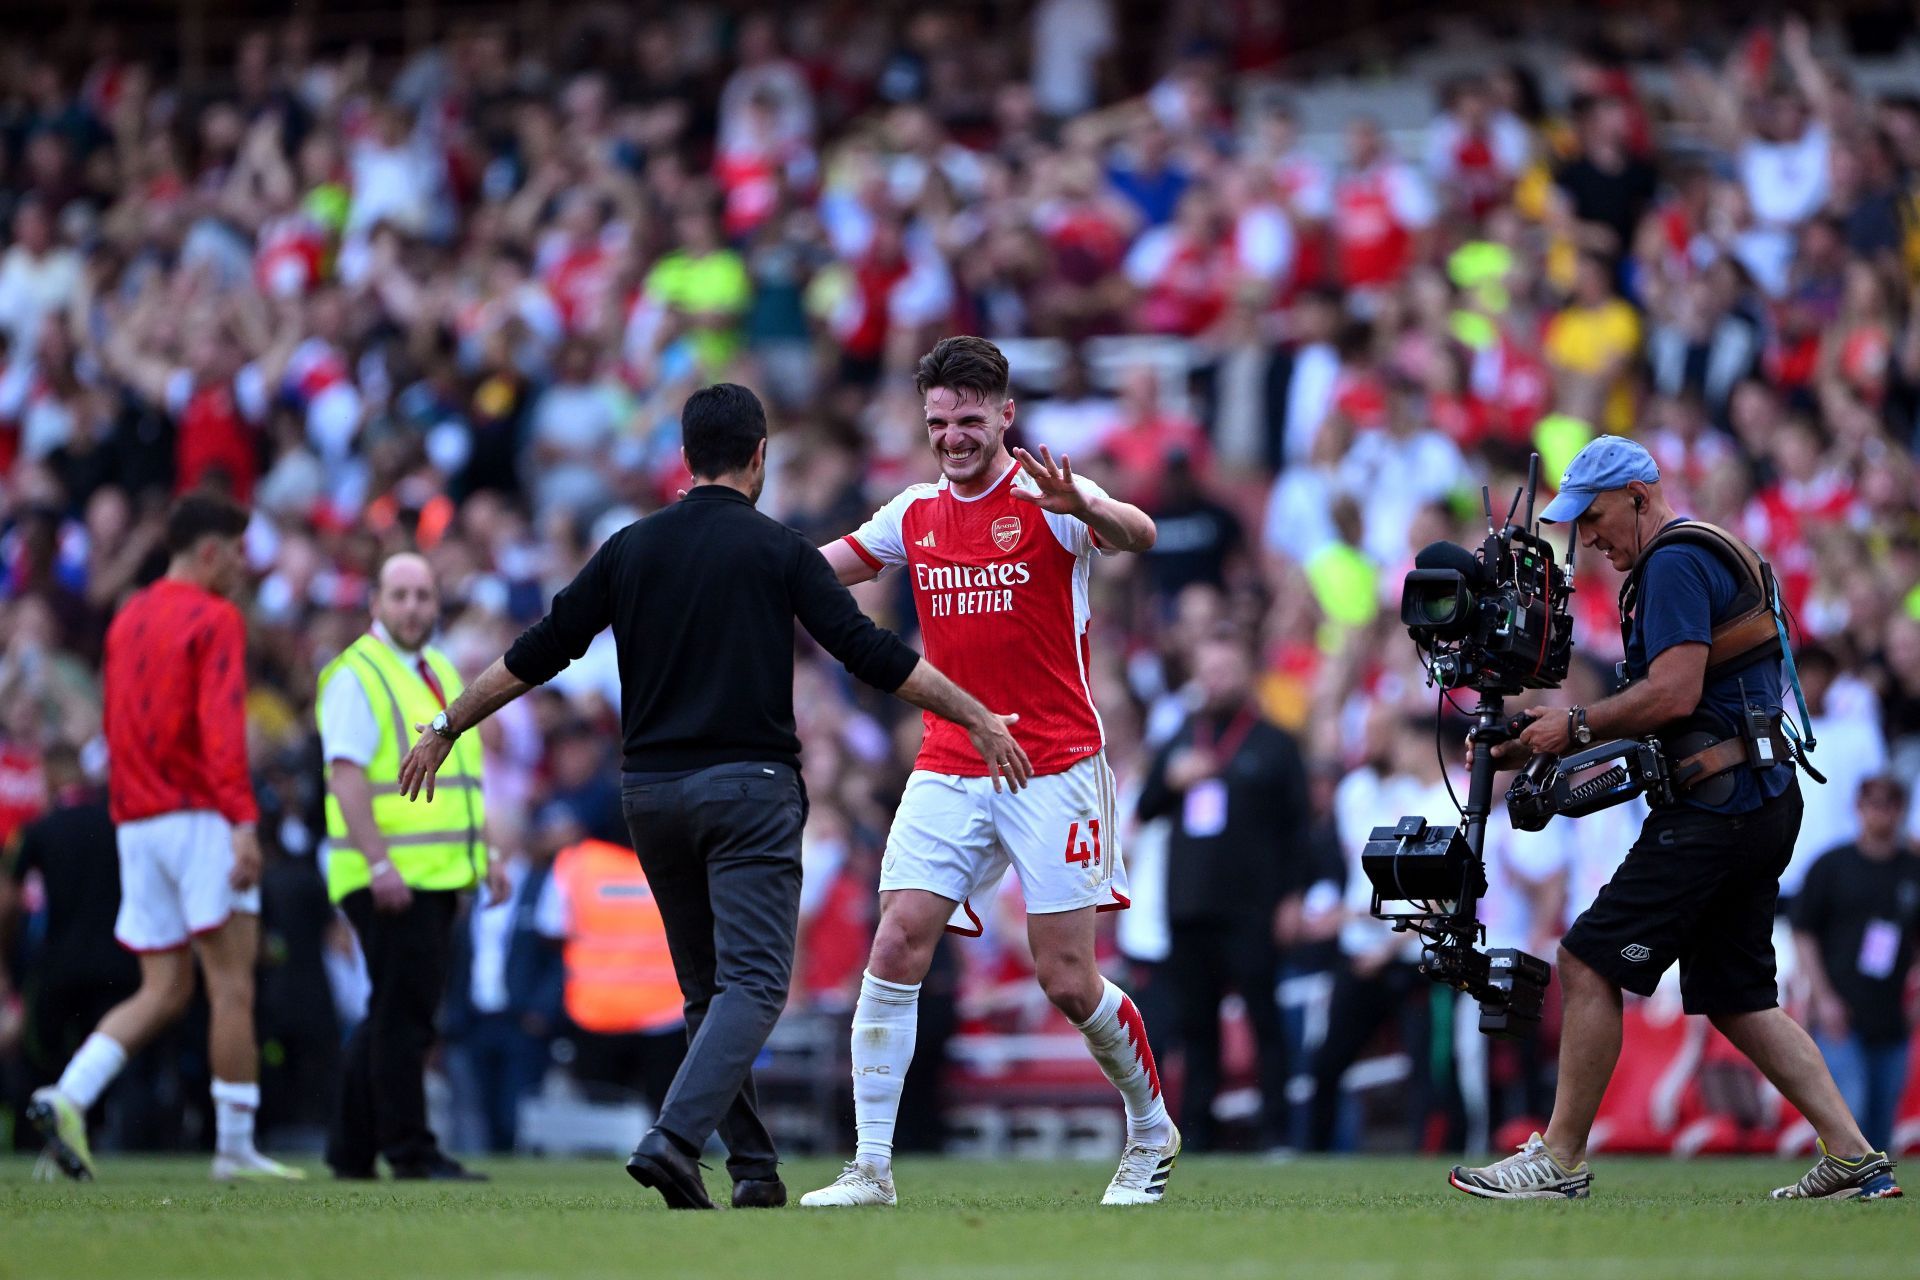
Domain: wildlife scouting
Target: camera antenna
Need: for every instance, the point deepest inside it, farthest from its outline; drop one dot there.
(1486, 504)
(1515, 506)
(1533, 486)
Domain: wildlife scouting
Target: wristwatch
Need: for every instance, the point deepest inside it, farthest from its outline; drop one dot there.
(440, 726)
(1577, 723)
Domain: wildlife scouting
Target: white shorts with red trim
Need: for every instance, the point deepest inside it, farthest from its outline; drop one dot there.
(173, 880)
(956, 837)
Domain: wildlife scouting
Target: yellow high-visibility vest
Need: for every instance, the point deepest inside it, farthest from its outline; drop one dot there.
(434, 844)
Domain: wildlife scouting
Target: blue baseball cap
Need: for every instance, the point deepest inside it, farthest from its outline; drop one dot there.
(1608, 462)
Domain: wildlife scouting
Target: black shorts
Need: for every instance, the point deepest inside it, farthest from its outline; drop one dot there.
(1699, 888)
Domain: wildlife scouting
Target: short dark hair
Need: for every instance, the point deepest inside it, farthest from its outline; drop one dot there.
(720, 428)
(203, 515)
(963, 363)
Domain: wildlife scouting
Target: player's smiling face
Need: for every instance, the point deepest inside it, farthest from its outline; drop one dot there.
(968, 434)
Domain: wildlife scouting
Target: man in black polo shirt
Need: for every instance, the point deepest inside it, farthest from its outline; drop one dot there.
(1238, 793)
(1699, 885)
(1855, 922)
(702, 598)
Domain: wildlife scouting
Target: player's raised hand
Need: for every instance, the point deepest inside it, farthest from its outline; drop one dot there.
(1054, 488)
(993, 739)
(417, 770)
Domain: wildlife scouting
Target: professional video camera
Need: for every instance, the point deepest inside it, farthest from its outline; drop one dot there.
(1496, 622)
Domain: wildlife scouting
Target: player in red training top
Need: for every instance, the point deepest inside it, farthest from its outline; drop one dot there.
(998, 554)
(184, 814)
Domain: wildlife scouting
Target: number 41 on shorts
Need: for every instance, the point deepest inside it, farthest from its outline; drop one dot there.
(1081, 852)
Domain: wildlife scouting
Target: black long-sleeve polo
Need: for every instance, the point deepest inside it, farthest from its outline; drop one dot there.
(1258, 853)
(702, 598)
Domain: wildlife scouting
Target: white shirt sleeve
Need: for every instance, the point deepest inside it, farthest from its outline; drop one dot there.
(179, 392)
(1442, 136)
(1512, 144)
(1313, 198)
(1073, 533)
(880, 536)
(1410, 196)
(1264, 243)
(1148, 258)
(348, 730)
(251, 395)
(552, 913)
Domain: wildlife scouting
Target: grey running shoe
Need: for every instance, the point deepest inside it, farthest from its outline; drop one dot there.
(1530, 1174)
(1867, 1177)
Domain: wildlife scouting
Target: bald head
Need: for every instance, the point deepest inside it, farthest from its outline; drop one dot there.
(406, 600)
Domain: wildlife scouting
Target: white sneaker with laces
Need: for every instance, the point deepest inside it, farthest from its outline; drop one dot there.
(253, 1167)
(1144, 1170)
(858, 1184)
(1529, 1174)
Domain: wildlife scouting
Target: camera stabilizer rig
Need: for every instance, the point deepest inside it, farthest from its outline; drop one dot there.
(1497, 621)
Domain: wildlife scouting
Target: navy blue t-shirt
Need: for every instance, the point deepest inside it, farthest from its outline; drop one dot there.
(1683, 592)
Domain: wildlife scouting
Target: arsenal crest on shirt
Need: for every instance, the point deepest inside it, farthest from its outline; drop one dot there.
(1006, 532)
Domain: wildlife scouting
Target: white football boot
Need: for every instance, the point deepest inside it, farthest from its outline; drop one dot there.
(1144, 1170)
(858, 1184)
(254, 1167)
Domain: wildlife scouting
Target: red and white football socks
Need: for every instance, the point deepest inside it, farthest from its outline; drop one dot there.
(1118, 1038)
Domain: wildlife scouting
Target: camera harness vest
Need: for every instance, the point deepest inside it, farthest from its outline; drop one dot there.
(1756, 632)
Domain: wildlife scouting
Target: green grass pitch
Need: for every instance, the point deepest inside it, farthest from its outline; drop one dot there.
(1369, 1219)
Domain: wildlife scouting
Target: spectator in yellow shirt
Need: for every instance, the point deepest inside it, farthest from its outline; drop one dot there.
(699, 291)
(1589, 346)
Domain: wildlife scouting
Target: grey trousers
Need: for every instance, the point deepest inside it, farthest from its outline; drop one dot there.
(721, 852)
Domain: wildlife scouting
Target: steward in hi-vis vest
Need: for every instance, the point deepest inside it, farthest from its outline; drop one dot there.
(433, 844)
(396, 867)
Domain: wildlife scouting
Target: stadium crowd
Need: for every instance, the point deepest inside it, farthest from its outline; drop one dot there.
(455, 301)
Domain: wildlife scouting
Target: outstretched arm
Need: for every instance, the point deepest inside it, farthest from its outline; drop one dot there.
(929, 689)
(1796, 49)
(495, 688)
(1120, 526)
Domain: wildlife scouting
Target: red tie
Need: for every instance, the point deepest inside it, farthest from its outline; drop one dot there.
(433, 685)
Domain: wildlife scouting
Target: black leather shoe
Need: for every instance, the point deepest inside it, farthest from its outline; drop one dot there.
(657, 1163)
(441, 1170)
(759, 1193)
(368, 1174)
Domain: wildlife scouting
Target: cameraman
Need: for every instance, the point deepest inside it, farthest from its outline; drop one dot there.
(1699, 884)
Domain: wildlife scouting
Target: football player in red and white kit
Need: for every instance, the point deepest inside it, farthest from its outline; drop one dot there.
(184, 816)
(998, 552)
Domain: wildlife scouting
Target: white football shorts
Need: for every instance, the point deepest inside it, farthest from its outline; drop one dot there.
(956, 836)
(173, 880)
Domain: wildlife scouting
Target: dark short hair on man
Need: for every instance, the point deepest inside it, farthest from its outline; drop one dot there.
(720, 428)
(963, 364)
(203, 515)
